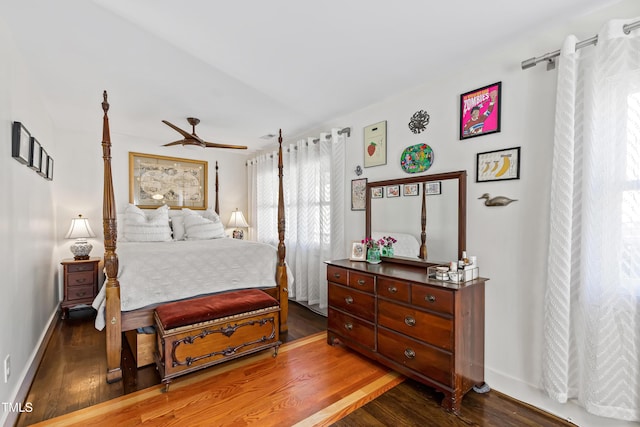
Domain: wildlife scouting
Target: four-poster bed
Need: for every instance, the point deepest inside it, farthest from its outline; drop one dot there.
(118, 320)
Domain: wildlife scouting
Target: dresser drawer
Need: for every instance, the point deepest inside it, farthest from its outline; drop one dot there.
(352, 328)
(422, 326)
(337, 275)
(393, 289)
(79, 279)
(353, 302)
(362, 282)
(427, 361)
(432, 298)
(83, 266)
(80, 292)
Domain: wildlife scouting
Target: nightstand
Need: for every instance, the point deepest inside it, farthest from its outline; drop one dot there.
(80, 283)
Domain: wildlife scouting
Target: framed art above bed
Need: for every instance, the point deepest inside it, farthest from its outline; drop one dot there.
(159, 180)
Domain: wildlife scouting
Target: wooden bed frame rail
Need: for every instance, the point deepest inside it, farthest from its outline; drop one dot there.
(117, 321)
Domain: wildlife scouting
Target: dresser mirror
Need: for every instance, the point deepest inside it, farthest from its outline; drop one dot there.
(426, 214)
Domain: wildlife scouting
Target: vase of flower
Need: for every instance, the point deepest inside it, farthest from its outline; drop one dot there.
(373, 256)
(373, 249)
(387, 246)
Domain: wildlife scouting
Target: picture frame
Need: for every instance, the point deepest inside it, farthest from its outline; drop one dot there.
(358, 194)
(377, 193)
(498, 165)
(20, 140)
(432, 187)
(375, 144)
(49, 168)
(412, 189)
(43, 163)
(480, 111)
(358, 251)
(393, 191)
(35, 159)
(161, 180)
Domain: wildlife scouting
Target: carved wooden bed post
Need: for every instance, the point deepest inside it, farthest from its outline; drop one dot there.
(281, 269)
(217, 204)
(423, 224)
(112, 286)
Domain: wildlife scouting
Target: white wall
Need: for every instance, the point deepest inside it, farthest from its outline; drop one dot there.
(28, 297)
(510, 242)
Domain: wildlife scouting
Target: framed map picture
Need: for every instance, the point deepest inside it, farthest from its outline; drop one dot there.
(158, 180)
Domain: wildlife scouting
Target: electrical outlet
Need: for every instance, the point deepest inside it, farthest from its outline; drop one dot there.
(7, 368)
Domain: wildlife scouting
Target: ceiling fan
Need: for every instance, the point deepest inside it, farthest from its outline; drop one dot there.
(193, 139)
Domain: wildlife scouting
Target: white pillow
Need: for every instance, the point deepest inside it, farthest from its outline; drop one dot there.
(141, 226)
(200, 228)
(177, 225)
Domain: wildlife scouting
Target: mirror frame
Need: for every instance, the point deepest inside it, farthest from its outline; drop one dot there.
(461, 176)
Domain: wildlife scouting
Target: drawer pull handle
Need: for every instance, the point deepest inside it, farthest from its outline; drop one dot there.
(392, 289)
(81, 280)
(430, 298)
(81, 294)
(348, 300)
(361, 282)
(409, 354)
(336, 275)
(410, 321)
(348, 326)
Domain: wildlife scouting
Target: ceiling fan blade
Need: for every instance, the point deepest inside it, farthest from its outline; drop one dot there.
(214, 145)
(180, 142)
(184, 133)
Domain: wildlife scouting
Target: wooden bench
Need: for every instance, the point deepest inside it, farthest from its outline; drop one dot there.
(197, 333)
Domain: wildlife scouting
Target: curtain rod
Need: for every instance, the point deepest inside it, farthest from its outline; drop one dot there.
(550, 57)
(340, 132)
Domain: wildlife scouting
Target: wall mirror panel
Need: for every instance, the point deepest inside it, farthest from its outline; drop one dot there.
(430, 227)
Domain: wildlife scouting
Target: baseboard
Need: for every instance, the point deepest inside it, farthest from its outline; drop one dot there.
(535, 396)
(28, 374)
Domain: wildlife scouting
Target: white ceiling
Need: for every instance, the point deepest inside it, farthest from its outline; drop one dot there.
(247, 68)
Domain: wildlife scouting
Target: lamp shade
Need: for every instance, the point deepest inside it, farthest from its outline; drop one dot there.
(80, 230)
(237, 220)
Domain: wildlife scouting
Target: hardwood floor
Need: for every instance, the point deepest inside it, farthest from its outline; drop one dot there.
(71, 377)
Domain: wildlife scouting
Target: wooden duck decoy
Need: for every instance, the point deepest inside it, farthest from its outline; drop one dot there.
(496, 201)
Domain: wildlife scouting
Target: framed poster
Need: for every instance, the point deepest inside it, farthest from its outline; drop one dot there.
(43, 163)
(499, 165)
(411, 189)
(375, 144)
(21, 138)
(480, 111)
(393, 191)
(358, 194)
(358, 251)
(376, 193)
(35, 161)
(49, 168)
(159, 180)
(432, 187)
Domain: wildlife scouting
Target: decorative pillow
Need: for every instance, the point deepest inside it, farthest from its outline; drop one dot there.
(201, 228)
(177, 225)
(141, 226)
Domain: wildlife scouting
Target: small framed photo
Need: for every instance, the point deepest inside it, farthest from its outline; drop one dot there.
(499, 165)
(431, 188)
(376, 193)
(20, 143)
(43, 163)
(358, 251)
(35, 161)
(480, 111)
(393, 191)
(358, 194)
(410, 189)
(49, 168)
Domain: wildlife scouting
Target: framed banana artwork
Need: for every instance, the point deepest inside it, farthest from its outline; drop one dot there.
(499, 165)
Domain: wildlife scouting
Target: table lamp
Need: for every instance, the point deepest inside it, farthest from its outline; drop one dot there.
(237, 220)
(80, 230)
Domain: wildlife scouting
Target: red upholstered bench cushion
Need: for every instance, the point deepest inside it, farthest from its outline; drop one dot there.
(197, 310)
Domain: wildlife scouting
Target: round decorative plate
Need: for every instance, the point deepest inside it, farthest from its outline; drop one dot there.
(416, 158)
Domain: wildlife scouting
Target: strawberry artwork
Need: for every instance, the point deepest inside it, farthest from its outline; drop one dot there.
(371, 148)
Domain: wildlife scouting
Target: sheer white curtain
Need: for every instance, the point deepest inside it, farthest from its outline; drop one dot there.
(314, 176)
(592, 299)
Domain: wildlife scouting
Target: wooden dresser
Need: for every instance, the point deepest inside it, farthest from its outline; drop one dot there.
(428, 330)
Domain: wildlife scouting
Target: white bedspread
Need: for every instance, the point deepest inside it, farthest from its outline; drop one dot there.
(156, 272)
